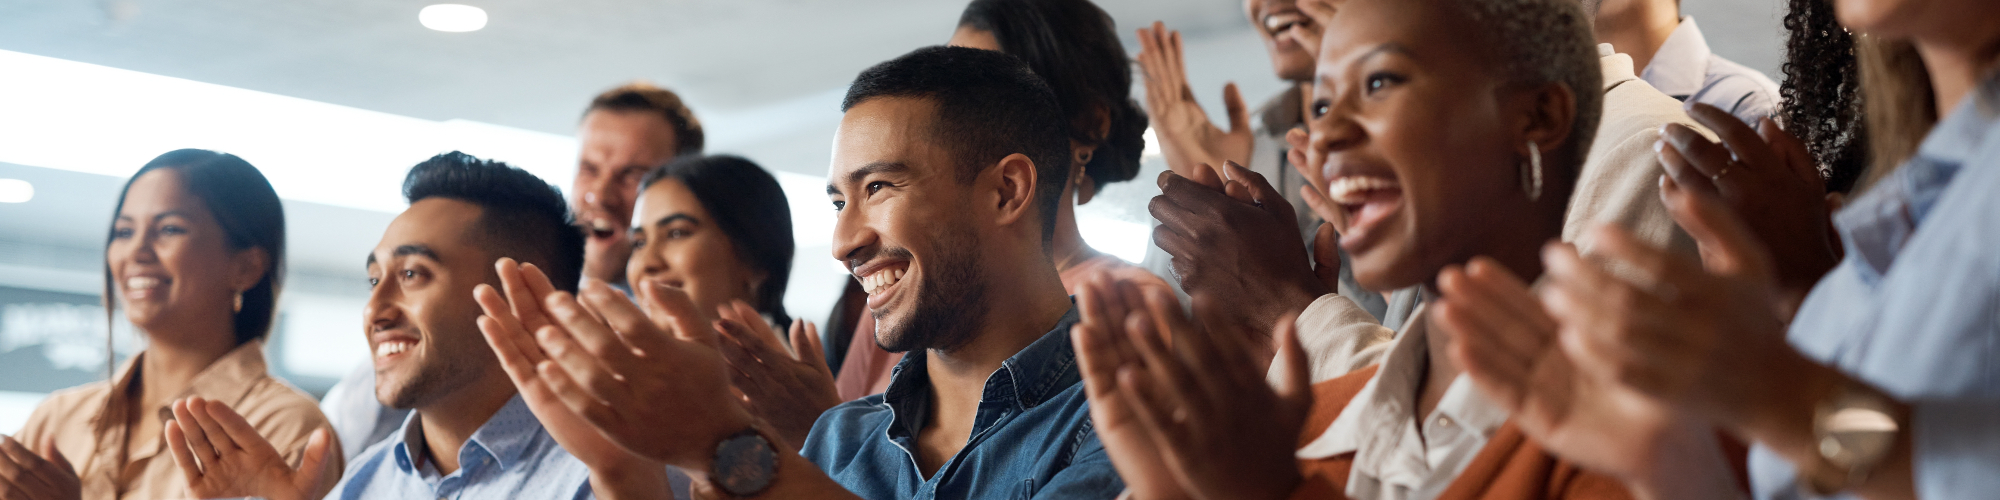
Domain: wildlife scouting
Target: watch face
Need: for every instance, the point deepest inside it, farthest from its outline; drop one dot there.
(1857, 435)
(745, 464)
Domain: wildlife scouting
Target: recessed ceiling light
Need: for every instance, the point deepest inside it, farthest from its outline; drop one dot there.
(453, 18)
(16, 191)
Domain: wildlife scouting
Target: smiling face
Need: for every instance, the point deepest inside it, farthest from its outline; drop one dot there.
(420, 315)
(675, 242)
(169, 260)
(1276, 22)
(617, 149)
(1415, 135)
(903, 227)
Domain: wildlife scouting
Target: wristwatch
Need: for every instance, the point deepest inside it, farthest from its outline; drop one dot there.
(744, 464)
(1853, 430)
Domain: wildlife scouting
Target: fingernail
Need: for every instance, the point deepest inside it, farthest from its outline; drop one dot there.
(1659, 145)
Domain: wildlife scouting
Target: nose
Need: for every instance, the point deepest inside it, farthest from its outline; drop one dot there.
(381, 311)
(1336, 131)
(648, 260)
(853, 235)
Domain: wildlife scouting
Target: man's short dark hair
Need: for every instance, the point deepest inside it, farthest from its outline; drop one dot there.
(989, 105)
(521, 216)
(642, 97)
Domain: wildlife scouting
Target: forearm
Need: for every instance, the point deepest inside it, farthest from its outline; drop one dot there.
(1690, 464)
(634, 481)
(1785, 425)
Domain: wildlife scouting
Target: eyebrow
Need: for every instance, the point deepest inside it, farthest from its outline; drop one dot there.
(158, 216)
(880, 167)
(1379, 50)
(672, 218)
(408, 250)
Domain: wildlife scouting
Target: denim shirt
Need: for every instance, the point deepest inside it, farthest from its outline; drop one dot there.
(1031, 437)
(510, 456)
(1914, 308)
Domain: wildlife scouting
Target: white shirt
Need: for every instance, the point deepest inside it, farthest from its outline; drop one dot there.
(1396, 455)
(1686, 69)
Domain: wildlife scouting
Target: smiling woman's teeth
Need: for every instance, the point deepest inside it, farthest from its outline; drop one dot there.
(1353, 190)
(141, 282)
(881, 279)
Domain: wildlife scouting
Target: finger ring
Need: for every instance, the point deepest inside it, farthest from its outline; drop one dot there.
(1718, 175)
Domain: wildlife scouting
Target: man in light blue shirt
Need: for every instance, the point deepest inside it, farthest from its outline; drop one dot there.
(1674, 57)
(470, 434)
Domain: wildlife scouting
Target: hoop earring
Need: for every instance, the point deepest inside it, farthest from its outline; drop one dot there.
(239, 301)
(1531, 176)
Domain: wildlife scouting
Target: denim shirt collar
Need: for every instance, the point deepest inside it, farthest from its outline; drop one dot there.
(1024, 380)
(503, 439)
(1876, 224)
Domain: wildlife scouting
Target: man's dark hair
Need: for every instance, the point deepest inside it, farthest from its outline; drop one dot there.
(750, 207)
(988, 105)
(642, 97)
(1073, 45)
(520, 215)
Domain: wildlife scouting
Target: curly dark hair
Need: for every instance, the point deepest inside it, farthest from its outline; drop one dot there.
(1822, 92)
(1074, 46)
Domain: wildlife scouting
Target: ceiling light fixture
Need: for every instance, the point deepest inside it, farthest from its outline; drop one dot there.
(452, 18)
(16, 191)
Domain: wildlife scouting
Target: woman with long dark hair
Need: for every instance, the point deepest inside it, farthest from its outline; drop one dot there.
(194, 258)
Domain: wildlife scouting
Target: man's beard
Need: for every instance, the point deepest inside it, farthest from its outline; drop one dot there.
(950, 304)
(440, 375)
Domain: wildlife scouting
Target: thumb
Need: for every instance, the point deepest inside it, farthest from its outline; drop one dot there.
(1295, 388)
(1232, 103)
(313, 469)
(55, 455)
(1326, 256)
(1727, 247)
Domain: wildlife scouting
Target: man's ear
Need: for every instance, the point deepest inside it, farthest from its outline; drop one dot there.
(247, 268)
(1015, 178)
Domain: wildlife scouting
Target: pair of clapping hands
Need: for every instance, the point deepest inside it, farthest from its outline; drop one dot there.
(601, 373)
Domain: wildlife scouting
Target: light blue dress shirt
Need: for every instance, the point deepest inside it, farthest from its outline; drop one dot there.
(1686, 69)
(1914, 309)
(511, 456)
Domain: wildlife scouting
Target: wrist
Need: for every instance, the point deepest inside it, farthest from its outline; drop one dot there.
(1782, 418)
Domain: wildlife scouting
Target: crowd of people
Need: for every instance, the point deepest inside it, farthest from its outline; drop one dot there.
(1498, 249)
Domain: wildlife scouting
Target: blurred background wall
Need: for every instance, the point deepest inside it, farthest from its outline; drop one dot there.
(335, 99)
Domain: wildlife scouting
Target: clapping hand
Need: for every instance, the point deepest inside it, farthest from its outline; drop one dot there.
(26, 475)
(221, 455)
(1769, 180)
(787, 388)
(506, 324)
(1186, 400)
(1187, 138)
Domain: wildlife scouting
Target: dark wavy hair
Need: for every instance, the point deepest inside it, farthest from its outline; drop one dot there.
(244, 204)
(521, 216)
(749, 206)
(1821, 95)
(1073, 45)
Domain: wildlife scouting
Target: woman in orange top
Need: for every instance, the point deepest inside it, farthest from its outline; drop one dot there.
(1441, 132)
(194, 258)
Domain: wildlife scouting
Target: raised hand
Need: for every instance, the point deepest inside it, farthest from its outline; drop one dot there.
(627, 376)
(26, 475)
(1769, 180)
(506, 325)
(221, 455)
(1190, 398)
(1101, 349)
(1240, 246)
(788, 389)
(1188, 139)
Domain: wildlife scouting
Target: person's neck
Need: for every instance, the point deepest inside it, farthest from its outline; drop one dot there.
(1956, 67)
(1524, 260)
(1022, 307)
(1639, 30)
(450, 421)
(1069, 247)
(172, 361)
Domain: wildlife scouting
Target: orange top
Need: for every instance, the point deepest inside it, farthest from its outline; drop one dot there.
(1510, 467)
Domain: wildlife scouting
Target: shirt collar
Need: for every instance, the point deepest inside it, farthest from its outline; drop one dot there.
(1876, 224)
(1283, 112)
(1025, 379)
(1617, 67)
(228, 380)
(1386, 406)
(506, 438)
(1681, 65)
